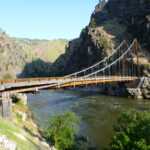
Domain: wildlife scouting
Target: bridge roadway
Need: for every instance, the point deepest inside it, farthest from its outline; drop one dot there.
(35, 84)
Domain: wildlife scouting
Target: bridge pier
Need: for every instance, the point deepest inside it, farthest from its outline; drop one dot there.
(6, 106)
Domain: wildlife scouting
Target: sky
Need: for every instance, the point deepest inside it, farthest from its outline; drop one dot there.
(45, 19)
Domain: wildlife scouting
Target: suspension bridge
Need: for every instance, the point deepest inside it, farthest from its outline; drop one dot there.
(121, 66)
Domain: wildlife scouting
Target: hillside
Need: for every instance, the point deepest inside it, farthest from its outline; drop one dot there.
(111, 23)
(22, 58)
(45, 50)
(12, 57)
(22, 132)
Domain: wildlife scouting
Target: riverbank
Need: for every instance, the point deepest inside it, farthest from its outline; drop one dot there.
(22, 132)
(138, 89)
(98, 112)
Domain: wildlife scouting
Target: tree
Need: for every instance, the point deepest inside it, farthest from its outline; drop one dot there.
(132, 131)
(61, 130)
(92, 23)
(66, 47)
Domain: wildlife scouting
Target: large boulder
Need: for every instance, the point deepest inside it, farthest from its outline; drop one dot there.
(135, 93)
(7, 144)
(19, 97)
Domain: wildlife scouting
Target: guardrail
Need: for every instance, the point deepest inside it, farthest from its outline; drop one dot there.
(29, 80)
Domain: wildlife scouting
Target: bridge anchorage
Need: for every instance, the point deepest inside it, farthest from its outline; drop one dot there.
(121, 66)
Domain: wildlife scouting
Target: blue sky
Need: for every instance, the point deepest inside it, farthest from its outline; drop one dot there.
(45, 19)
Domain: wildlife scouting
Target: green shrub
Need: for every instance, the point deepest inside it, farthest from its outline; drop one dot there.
(33, 115)
(145, 90)
(61, 130)
(15, 99)
(66, 47)
(83, 33)
(7, 65)
(19, 117)
(106, 44)
(146, 66)
(7, 76)
(132, 131)
(92, 23)
(0, 69)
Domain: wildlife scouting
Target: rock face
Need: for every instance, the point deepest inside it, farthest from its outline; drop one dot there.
(138, 89)
(12, 57)
(135, 93)
(93, 45)
(135, 14)
(114, 21)
(20, 58)
(111, 23)
(24, 115)
(19, 97)
(7, 144)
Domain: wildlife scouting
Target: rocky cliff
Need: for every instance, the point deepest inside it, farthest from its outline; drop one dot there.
(28, 58)
(110, 24)
(134, 14)
(12, 57)
(93, 45)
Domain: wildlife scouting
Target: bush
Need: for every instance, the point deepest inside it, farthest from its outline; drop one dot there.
(146, 66)
(61, 130)
(106, 44)
(132, 131)
(19, 117)
(83, 33)
(7, 76)
(92, 23)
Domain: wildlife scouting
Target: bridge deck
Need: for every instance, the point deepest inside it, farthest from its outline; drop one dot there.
(31, 84)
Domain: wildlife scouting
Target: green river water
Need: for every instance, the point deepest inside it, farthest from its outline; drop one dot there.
(99, 113)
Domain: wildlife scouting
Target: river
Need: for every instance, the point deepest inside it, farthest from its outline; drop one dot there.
(99, 113)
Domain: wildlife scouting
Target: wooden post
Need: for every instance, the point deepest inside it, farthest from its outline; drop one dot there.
(124, 57)
(137, 56)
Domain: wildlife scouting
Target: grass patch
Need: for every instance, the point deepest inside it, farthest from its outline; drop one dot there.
(9, 129)
(16, 129)
(106, 44)
(7, 76)
(92, 23)
(146, 66)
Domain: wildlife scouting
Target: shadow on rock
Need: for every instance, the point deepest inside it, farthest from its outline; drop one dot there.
(36, 68)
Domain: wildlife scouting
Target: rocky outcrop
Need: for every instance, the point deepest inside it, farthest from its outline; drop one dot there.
(137, 89)
(12, 57)
(19, 97)
(113, 22)
(135, 14)
(6, 143)
(93, 45)
(20, 58)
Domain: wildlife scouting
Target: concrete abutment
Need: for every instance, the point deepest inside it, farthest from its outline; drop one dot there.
(6, 107)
